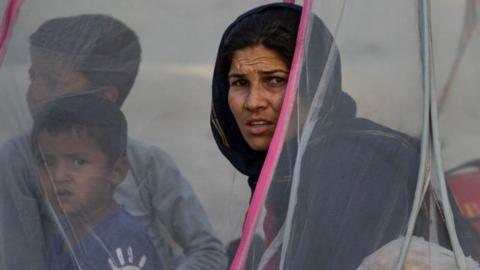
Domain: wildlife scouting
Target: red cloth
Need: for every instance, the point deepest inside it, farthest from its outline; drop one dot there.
(465, 189)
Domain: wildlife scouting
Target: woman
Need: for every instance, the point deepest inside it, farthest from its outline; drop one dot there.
(248, 86)
(356, 195)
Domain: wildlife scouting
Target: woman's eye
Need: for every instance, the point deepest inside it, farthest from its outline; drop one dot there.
(239, 83)
(277, 81)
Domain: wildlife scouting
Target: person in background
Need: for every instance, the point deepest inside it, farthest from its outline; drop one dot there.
(79, 143)
(100, 55)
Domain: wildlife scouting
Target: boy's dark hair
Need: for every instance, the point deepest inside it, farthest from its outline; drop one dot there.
(99, 118)
(99, 46)
(276, 29)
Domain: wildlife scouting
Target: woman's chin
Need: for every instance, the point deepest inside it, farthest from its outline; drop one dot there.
(259, 144)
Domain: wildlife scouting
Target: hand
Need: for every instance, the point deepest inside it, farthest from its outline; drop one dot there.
(126, 265)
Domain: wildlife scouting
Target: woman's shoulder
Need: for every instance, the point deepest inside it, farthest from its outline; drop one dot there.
(364, 133)
(373, 128)
(361, 145)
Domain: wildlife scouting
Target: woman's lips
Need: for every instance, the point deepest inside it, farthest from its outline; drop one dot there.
(258, 127)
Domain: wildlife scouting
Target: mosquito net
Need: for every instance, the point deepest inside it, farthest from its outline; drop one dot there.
(456, 58)
(354, 180)
(75, 195)
(107, 160)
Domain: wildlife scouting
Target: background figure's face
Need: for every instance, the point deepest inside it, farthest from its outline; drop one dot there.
(258, 78)
(51, 78)
(74, 173)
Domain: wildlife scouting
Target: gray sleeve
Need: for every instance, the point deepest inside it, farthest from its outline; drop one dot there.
(175, 207)
(21, 234)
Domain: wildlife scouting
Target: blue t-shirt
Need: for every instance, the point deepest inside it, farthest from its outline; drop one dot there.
(118, 242)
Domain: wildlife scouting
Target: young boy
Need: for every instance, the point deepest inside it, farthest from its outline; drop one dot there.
(80, 143)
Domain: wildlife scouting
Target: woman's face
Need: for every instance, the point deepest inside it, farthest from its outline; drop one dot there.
(258, 78)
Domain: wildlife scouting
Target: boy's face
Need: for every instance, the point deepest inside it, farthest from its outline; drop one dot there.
(75, 173)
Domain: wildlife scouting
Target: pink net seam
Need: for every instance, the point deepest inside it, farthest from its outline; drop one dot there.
(9, 17)
(275, 147)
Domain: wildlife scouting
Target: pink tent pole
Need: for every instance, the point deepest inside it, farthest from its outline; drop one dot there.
(9, 17)
(276, 145)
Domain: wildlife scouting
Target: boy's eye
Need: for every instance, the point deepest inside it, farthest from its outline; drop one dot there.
(79, 161)
(49, 162)
(45, 160)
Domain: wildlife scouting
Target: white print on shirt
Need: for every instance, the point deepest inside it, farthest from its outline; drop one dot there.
(127, 265)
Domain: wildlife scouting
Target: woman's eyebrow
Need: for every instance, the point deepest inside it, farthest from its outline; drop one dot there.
(236, 75)
(274, 71)
(265, 72)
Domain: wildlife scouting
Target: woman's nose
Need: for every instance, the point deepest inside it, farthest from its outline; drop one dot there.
(256, 98)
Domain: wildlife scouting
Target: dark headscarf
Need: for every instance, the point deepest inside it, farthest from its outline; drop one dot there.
(337, 104)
